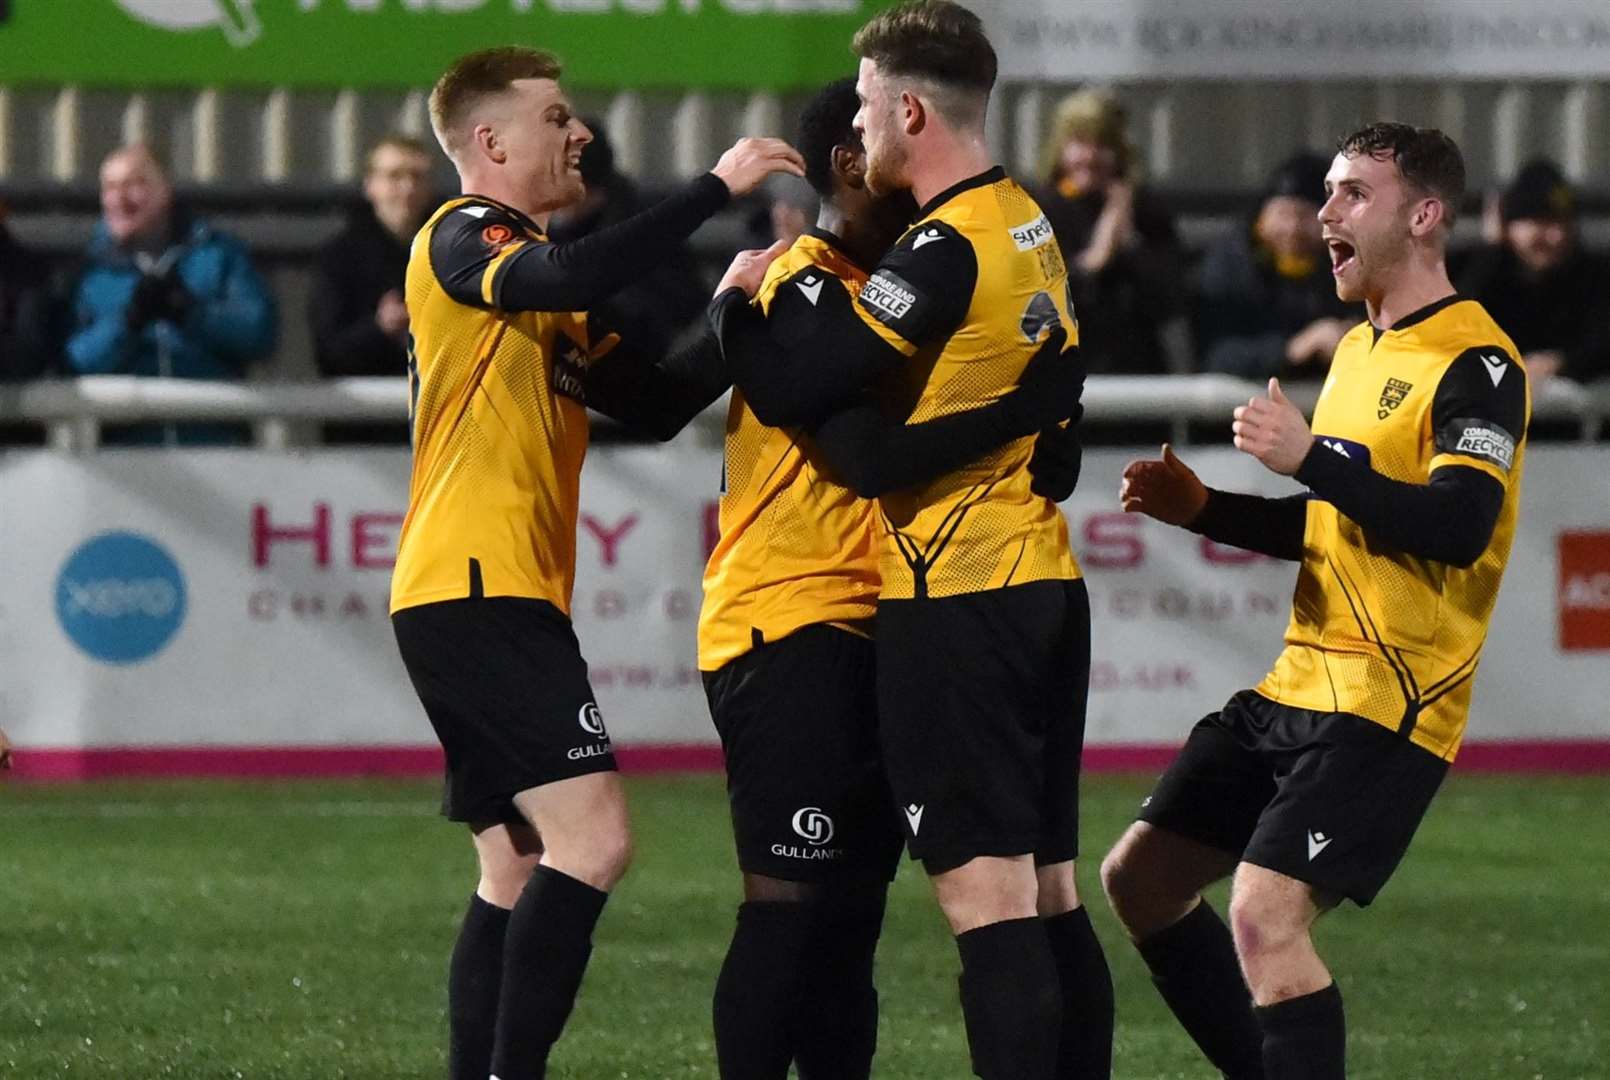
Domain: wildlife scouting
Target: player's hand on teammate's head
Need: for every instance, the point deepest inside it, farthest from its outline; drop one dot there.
(1273, 430)
(1164, 488)
(748, 269)
(750, 161)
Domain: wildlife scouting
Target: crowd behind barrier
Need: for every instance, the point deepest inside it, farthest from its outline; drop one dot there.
(165, 288)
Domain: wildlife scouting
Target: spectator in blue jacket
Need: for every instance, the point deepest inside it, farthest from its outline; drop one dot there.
(161, 293)
(1266, 300)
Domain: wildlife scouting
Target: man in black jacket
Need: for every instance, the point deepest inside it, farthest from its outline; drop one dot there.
(1539, 284)
(23, 354)
(360, 324)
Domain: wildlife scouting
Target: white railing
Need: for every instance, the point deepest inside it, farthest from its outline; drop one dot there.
(73, 410)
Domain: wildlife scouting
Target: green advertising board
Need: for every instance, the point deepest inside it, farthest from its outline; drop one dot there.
(606, 44)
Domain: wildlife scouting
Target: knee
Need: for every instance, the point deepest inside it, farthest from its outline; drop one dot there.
(1260, 926)
(609, 858)
(503, 879)
(1125, 880)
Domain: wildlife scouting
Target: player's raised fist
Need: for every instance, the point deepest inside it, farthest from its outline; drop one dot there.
(748, 269)
(1164, 488)
(750, 161)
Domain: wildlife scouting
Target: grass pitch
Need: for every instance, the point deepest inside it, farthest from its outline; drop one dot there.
(302, 931)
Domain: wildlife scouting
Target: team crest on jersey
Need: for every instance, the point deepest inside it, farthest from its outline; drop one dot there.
(1392, 395)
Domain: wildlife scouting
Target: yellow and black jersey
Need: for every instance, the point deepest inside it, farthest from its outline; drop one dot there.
(498, 431)
(796, 547)
(1375, 631)
(945, 328)
(967, 295)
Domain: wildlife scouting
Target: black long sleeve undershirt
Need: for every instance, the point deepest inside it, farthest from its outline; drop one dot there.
(798, 382)
(576, 275)
(657, 395)
(1450, 520)
(1272, 527)
(874, 455)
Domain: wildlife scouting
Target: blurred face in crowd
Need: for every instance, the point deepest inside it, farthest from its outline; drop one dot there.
(879, 123)
(538, 138)
(1540, 244)
(1288, 225)
(136, 196)
(397, 185)
(1088, 166)
(1370, 223)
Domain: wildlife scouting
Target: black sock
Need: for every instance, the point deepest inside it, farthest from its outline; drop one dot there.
(1011, 1000)
(1085, 1051)
(1195, 969)
(1305, 1038)
(544, 956)
(836, 1022)
(474, 980)
(757, 989)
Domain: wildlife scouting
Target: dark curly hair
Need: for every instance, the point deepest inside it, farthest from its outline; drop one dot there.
(826, 123)
(1426, 158)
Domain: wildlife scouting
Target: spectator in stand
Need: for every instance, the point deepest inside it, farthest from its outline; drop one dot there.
(23, 350)
(161, 293)
(1267, 303)
(356, 309)
(654, 310)
(1125, 265)
(1551, 296)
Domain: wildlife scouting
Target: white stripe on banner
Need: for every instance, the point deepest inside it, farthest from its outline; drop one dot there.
(224, 598)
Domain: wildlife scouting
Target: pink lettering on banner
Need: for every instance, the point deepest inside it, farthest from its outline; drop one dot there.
(1225, 555)
(609, 538)
(1112, 542)
(374, 546)
(265, 534)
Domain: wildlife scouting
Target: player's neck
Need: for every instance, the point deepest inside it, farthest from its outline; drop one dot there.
(1417, 285)
(945, 163)
(490, 187)
(852, 235)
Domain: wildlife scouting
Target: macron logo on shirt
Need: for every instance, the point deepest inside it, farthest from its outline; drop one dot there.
(812, 288)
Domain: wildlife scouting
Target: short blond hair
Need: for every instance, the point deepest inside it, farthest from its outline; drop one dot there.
(1092, 116)
(473, 78)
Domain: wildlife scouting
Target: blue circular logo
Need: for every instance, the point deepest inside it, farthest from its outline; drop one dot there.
(120, 597)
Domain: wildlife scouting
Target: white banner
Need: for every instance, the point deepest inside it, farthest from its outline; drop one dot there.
(238, 598)
(1083, 40)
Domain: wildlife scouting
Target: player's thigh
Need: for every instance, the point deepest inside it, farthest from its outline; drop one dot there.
(798, 725)
(1217, 788)
(582, 820)
(961, 683)
(1351, 797)
(505, 687)
(1269, 910)
(987, 890)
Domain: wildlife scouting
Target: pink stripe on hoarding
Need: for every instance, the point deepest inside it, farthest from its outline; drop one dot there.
(270, 762)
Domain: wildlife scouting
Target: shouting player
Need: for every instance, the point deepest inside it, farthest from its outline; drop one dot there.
(982, 624)
(486, 558)
(1309, 787)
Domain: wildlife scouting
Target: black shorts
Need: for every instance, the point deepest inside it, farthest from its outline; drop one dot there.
(798, 722)
(981, 699)
(1327, 798)
(504, 685)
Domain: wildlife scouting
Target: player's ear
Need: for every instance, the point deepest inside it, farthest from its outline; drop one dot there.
(1427, 217)
(485, 139)
(849, 165)
(913, 112)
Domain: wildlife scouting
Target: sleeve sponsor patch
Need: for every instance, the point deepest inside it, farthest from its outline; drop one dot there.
(894, 302)
(1477, 438)
(1036, 233)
